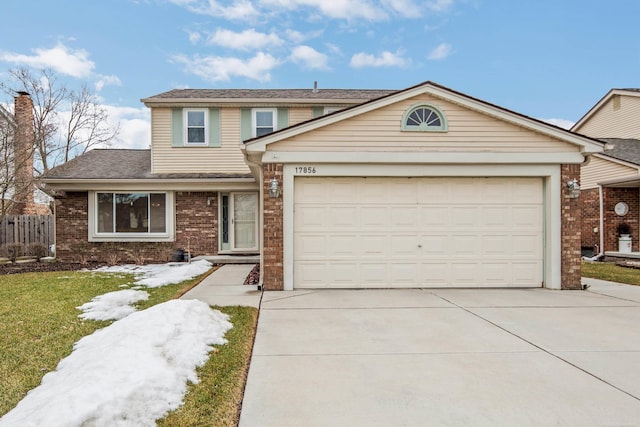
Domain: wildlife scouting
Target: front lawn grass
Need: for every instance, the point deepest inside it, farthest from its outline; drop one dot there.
(40, 324)
(216, 400)
(611, 272)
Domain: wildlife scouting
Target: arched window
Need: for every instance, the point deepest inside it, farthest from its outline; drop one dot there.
(424, 118)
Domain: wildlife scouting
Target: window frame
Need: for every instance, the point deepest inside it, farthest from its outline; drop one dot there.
(254, 124)
(444, 127)
(185, 127)
(167, 236)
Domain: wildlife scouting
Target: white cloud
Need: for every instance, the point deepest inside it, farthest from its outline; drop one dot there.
(107, 80)
(245, 40)
(439, 5)
(240, 10)
(406, 8)
(339, 9)
(565, 124)
(386, 59)
(217, 68)
(135, 126)
(308, 57)
(74, 63)
(440, 52)
(194, 36)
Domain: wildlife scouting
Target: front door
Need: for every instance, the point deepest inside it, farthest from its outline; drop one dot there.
(239, 222)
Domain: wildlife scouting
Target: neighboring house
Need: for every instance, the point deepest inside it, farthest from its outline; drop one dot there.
(612, 178)
(18, 193)
(413, 188)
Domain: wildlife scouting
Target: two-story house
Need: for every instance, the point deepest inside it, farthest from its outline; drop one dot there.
(611, 180)
(419, 187)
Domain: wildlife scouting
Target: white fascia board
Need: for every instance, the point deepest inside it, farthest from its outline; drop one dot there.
(212, 102)
(421, 157)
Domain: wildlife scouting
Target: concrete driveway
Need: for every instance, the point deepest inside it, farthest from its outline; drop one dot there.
(446, 358)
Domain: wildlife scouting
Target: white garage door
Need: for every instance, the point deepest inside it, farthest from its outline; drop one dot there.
(418, 232)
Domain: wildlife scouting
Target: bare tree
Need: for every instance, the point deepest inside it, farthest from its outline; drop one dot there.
(67, 123)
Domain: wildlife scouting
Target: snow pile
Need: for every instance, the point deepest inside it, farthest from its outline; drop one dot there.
(129, 373)
(118, 304)
(112, 305)
(156, 275)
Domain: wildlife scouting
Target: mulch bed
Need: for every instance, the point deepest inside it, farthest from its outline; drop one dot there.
(254, 277)
(38, 267)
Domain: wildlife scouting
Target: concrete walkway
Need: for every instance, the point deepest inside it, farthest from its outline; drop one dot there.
(225, 287)
(489, 357)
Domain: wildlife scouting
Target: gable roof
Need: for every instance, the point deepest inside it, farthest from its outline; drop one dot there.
(622, 149)
(613, 92)
(275, 96)
(589, 145)
(118, 165)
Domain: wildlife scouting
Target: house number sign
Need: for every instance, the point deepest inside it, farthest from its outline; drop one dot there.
(306, 170)
(621, 208)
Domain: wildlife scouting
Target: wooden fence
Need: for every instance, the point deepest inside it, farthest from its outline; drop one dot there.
(27, 229)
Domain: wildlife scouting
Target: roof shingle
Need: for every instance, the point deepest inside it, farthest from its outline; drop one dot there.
(120, 164)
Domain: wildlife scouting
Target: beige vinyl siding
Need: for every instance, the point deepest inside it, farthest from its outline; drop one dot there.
(299, 115)
(380, 130)
(224, 159)
(599, 169)
(608, 122)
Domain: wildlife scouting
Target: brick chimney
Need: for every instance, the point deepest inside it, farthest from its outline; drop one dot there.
(23, 145)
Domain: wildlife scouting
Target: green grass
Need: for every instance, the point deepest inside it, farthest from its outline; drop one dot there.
(215, 401)
(611, 272)
(40, 324)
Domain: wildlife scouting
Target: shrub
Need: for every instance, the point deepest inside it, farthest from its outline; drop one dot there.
(82, 251)
(14, 250)
(37, 250)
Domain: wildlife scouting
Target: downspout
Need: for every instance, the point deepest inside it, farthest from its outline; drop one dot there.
(601, 251)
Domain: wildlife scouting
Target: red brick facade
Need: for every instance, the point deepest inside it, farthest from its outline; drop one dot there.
(590, 207)
(611, 196)
(196, 227)
(571, 230)
(273, 225)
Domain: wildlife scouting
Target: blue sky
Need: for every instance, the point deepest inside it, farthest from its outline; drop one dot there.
(546, 59)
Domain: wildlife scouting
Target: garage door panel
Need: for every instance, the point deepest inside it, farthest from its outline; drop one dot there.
(424, 232)
(310, 246)
(433, 216)
(403, 216)
(466, 246)
(373, 273)
(343, 217)
(343, 246)
(310, 218)
(465, 216)
(526, 273)
(435, 273)
(374, 217)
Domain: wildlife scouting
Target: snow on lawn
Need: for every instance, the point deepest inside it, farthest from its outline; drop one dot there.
(112, 305)
(156, 275)
(129, 373)
(118, 304)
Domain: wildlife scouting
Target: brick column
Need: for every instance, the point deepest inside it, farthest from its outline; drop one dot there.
(273, 224)
(571, 233)
(590, 203)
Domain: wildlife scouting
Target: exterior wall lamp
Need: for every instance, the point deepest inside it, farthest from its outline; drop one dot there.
(573, 188)
(274, 188)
